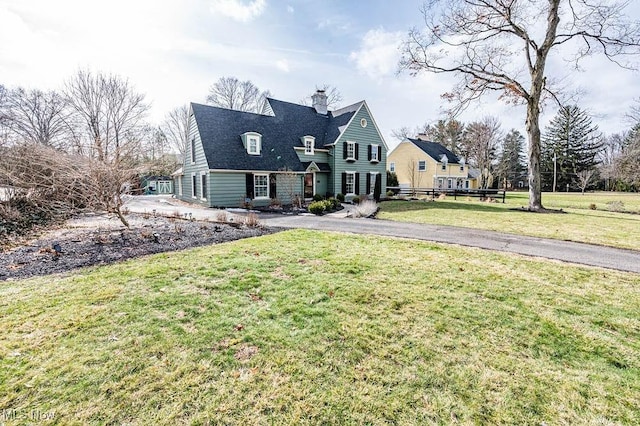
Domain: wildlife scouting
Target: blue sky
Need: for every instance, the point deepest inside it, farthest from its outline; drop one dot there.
(173, 50)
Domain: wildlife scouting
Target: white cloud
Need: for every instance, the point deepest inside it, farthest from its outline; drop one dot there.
(283, 65)
(238, 9)
(378, 54)
(290, 9)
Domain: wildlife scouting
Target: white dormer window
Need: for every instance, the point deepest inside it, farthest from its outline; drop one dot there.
(309, 144)
(252, 142)
(444, 161)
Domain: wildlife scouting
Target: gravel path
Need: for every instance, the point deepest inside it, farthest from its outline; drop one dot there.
(102, 239)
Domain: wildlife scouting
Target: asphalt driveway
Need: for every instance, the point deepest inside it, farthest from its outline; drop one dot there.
(565, 251)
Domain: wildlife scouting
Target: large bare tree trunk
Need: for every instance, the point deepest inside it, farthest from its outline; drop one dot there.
(533, 131)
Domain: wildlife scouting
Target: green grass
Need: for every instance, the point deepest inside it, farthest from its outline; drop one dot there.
(580, 223)
(304, 327)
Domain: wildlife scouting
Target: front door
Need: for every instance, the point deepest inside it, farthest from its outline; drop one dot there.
(309, 179)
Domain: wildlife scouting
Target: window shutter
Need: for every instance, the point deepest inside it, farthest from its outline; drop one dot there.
(368, 181)
(379, 152)
(344, 183)
(249, 180)
(344, 150)
(378, 188)
(273, 190)
(357, 188)
(369, 152)
(357, 149)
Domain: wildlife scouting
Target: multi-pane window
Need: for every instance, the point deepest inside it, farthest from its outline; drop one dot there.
(374, 153)
(372, 182)
(351, 150)
(308, 146)
(392, 167)
(422, 166)
(261, 186)
(253, 146)
(444, 166)
(350, 183)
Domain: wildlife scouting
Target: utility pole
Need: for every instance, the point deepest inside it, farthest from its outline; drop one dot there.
(555, 162)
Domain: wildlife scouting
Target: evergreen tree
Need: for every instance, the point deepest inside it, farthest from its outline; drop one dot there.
(512, 163)
(574, 141)
(448, 133)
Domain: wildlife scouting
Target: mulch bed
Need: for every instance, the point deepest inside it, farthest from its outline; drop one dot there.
(99, 240)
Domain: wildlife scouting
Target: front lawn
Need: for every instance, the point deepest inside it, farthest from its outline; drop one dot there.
(580, 223)
(305, 327)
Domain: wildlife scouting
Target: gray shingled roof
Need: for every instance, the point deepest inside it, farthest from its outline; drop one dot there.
(221, 129)
(435, 150)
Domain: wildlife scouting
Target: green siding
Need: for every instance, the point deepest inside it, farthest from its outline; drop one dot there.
(286, 185)
(227, 189)
(363, 136)
(318, 157)
(189, 168)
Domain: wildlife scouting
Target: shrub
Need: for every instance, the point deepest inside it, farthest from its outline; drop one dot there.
(274, 202)
(615, 206)
(317, 207)
(318, 197)
(335, 204)
(340, 197)
(221, 216)
(592, 206)
(392, 179)
(356, 200)
(252, 220)
(365, 209)
(390, 193)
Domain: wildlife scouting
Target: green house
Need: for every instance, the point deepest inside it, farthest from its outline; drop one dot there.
(292, 151)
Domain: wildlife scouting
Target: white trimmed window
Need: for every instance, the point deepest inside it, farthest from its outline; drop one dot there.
(252, 142)
(203, 186)
(194, 185)
(261, 186)
(309, 145)
(350, 182)
(392, 167)
(374, 152)
(422, 166)
(351, 150)
(462, 168)
(372, 182)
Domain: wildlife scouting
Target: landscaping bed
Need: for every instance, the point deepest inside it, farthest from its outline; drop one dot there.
(101, 239)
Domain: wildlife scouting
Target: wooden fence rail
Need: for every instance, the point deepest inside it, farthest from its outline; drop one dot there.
(455, 192)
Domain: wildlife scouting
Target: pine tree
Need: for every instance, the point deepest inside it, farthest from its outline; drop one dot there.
(512, 163)
(574, 141)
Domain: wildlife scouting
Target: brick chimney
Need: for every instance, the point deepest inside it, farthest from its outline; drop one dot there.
(319, 102)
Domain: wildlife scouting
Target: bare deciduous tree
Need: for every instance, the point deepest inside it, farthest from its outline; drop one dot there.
(229, 92)
(176, 129)
(502, 47)
(111, 113)
(479, 145)
(584, 178)
(415, 176)
(36, 116)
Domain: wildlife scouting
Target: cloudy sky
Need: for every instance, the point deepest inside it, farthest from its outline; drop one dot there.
(173, 50)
